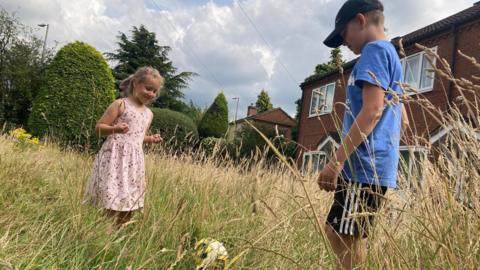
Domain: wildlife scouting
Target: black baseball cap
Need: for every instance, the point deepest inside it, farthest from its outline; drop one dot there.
(347, 12)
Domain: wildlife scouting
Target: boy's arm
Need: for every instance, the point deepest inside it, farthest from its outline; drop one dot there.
(405, 121)
(365, 122)
(367, 119)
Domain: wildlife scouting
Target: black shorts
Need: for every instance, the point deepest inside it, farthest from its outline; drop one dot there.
(354, 206)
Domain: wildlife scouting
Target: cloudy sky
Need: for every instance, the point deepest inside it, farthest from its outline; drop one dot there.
(238, 46)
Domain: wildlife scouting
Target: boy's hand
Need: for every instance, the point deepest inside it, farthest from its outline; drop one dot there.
(327, 180)
(156, 138)
(121, 128)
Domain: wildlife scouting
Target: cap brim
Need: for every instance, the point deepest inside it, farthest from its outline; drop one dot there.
(334, 40)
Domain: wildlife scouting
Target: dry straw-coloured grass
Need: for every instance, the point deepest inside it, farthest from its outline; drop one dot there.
(268, 217)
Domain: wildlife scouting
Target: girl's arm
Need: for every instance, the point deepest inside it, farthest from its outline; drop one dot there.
(151, 138)
(147, 138)
(104, 125)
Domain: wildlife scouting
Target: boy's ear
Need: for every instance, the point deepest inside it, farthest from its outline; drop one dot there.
(361, 19)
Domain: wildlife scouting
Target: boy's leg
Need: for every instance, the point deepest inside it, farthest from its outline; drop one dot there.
(347, 234)
(350, 251)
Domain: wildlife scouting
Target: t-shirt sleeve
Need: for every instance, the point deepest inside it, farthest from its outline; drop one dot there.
(372, 67)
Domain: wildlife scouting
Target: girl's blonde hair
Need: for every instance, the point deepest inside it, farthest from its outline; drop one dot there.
(140, 76)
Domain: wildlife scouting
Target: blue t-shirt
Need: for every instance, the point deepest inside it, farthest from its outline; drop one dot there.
(375, 161)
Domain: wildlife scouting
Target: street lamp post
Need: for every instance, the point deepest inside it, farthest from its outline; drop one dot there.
(236, 110)
(45, 40)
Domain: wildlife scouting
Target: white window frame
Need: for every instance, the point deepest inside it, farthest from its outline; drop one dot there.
(412, 149)
(311, 154)
(327, 140)
(316, 93)
(320, 152)
(419, 71)
(444, 131)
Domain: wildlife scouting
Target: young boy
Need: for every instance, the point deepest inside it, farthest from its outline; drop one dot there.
(366, 162)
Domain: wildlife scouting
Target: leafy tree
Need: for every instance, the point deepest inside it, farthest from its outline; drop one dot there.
(142, 49)
(77, 89)
(336, 60)
(214, 122)
(20, 69)
(263, 102)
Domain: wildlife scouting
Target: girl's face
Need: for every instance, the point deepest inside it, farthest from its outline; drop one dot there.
(148, 90)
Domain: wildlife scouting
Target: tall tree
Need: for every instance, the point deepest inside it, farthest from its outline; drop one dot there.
(263, 102)
(78, 87)
(336, 60)
(20, 69)
(142, 49)
(298, 102)
(214, 122)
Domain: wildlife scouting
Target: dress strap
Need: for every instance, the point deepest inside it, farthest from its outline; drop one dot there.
(124, 103)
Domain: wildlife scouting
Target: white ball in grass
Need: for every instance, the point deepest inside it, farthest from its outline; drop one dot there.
(210, 254)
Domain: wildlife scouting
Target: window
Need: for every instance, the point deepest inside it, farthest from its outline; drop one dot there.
(322, 100)
(313, 161)
(411, 163)
(417, 71)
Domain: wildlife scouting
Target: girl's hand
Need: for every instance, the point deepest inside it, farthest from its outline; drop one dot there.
(121, 128)
(156, 138)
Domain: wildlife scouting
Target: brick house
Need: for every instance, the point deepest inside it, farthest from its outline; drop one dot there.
(322, 96)
(275, 119)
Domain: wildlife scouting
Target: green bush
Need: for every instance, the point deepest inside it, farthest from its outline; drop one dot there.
(212, 144)
(214, 122)
(248, 140)
(220, 149)
(78, 87)
(177, 129)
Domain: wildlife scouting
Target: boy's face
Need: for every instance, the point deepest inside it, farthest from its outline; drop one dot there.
(354, 34)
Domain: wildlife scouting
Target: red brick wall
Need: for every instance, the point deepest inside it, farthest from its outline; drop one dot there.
(469, 44)
(286, 131)
(313, 129)
(276, 116)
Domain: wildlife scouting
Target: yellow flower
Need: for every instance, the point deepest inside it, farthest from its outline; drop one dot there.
(34, 141)
(24, 136)
(17, 132)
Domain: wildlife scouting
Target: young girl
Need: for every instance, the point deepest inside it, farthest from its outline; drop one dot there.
(118, 178)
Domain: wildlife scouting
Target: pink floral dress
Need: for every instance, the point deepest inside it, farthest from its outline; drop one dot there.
(118, 176)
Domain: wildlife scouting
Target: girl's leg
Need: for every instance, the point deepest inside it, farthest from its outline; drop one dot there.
(120, 217)
(125, 217)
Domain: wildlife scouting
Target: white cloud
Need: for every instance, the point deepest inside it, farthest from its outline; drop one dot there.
(219, 42)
